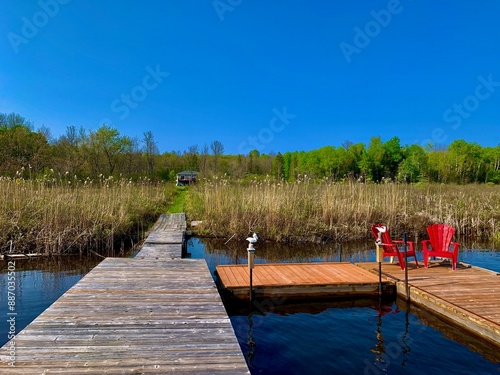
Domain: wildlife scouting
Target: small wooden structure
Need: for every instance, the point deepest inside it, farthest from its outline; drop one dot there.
(186, 178)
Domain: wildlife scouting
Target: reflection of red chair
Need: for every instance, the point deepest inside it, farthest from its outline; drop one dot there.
(390, 247)
(440, 241)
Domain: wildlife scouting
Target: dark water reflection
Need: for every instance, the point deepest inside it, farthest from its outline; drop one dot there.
(39, 282)
(337, 337)
(353, 336)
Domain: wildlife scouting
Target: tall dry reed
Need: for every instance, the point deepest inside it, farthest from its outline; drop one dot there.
(55, 216)
(327, 211)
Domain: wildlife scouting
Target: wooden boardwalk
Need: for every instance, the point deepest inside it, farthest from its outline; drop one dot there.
(166, 239)
(299, 280)
(133, 316)
(469, 296)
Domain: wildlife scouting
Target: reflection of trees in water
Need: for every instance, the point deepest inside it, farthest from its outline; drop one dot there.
(47, 274)
(65, 264)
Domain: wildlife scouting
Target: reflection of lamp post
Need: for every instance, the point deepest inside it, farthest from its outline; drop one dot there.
(251, 259)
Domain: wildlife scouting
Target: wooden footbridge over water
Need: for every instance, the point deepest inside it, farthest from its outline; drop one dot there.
(159, 313)
(155, 313)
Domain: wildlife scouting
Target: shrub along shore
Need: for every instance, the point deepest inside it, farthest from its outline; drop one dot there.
(67, 215)
(321, 211)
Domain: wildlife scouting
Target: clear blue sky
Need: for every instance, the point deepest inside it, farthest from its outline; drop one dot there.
(280, 75)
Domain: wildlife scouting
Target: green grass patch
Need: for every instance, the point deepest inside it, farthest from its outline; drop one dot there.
(179, 201)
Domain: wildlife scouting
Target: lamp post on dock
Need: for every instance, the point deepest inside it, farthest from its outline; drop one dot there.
(380, 255)
(251, 260)
(407, 290)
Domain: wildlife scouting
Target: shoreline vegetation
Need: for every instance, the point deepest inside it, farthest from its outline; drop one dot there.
(54, 198)
(107, 216)
(327, 212)
(54, 216)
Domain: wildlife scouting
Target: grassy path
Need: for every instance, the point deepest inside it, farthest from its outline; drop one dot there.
(177, 206)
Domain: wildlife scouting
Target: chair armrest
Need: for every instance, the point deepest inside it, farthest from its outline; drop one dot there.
(410, 243)
(455, 247)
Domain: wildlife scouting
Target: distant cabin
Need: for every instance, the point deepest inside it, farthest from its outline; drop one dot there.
(186, 178)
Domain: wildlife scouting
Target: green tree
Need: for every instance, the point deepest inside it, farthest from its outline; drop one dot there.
(150, 150)
(217, 150)
(392, 157)
(192, 158)
(104, 147)
(354, 155)
(277, 167)
(491, 157)
(67, 152)
(414, 164)
(371, 163)
(22, 150)
(467, 162)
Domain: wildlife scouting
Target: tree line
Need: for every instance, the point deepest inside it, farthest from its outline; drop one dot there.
(30, 153)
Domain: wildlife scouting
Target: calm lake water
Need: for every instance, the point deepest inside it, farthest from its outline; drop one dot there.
(347, 336)
(360, 336)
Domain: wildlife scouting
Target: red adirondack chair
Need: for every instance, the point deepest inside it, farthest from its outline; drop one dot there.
(440, 242)
(390, 246)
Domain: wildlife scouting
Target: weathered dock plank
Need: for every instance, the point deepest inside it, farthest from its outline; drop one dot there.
(133, 316)
(468, 296)
(164, 251)
(299, 280)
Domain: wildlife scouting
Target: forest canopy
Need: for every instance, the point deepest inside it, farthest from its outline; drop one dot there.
(30, 153)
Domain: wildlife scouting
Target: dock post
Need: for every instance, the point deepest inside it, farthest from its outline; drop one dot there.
(251, 261)
(380, 255)
(405, 242)
(340, 252)
(251, 257)
(379, 251)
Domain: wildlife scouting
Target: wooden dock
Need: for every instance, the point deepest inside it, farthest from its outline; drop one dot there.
(468, 296)
(149, 314)
(300, 280)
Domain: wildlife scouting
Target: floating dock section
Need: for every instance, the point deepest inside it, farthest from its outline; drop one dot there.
(301, 280)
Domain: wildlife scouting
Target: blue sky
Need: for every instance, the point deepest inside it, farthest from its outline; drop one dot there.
(280, 75)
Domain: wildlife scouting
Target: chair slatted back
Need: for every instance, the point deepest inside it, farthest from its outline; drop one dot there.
(440, 236)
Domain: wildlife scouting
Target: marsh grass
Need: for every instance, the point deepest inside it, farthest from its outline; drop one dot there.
(305, 211)
(63, 215)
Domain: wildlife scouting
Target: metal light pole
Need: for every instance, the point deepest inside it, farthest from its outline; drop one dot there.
(380, 255)
(251, 260)
(407, 289)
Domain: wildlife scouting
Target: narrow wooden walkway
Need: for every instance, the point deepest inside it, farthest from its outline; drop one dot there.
(146, 315)
(166, 239)
(469, 296)
(298, 280)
